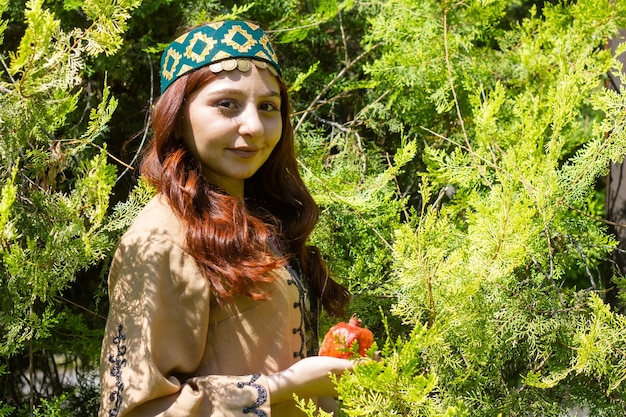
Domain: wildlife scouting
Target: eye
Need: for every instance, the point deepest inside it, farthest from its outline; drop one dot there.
(226, 104)
(269, 107)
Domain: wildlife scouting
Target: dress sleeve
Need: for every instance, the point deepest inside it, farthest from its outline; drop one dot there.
(155, 339)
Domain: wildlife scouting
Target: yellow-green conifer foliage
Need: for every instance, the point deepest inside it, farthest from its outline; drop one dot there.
(498, 270)
(56, 183)
(456, 150)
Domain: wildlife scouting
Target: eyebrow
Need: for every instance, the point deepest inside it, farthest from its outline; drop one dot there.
(268, 93)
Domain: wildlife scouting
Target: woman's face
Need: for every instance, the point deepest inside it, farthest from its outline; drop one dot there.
(232, 124)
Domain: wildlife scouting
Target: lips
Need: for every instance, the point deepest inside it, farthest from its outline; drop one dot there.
(244, 152)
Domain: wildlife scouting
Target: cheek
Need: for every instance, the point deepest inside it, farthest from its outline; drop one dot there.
(186, 135)
(184, 130)
(192, 130)
(277, 131)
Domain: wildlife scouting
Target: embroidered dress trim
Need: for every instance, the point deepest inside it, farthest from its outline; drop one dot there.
(117, 362)
(307, 328)
(299, 305)
(309, 307)
(261, 396)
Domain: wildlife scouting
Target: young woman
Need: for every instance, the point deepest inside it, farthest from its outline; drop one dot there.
(213, 291)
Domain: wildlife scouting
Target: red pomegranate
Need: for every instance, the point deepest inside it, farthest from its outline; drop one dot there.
(339, 339)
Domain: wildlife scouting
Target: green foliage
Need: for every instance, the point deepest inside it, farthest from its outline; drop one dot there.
(53, 408)
(3, 24)
(54, 201)
(397, 385)
(500, 262)
(310, 408)
(301, 25)
(6, 410)
(455, 149)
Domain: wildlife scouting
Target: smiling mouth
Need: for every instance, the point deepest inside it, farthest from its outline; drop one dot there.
(244, 152)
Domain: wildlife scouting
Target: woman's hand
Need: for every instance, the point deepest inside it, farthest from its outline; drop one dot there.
(307, 378)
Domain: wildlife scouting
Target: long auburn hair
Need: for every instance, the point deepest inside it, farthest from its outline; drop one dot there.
(230, 240)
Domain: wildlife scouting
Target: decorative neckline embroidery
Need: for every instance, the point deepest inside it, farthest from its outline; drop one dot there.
(261, 396)
(118, 362)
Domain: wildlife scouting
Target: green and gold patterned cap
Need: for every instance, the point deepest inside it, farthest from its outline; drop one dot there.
(224, 46)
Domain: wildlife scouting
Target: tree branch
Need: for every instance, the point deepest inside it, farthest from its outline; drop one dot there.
(330, 84)
(449, 69)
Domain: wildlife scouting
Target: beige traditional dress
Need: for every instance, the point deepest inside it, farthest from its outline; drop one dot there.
(171, 350)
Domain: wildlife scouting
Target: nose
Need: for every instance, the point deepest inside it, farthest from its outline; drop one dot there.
(251, 123)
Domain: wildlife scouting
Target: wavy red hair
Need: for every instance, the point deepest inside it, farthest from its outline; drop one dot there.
(230, 239)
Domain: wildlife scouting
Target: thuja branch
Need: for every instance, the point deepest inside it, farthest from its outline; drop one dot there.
(6, 70)
(293, 29)
(450, 78)
(339, 198)
(432, 311)
(343, 39)
(528, 186)
(397, 184)
(597, 155)
(147, 122)
(337, 77)
(83, 308)
(19, 84)
(596, 218)
(363, 111)
(346, 130)
(322, 103)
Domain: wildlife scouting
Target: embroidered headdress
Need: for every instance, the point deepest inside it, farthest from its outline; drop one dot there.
(223, 46)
